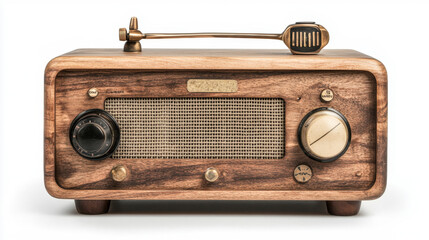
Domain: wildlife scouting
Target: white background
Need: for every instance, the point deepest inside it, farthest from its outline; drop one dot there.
(33, 32)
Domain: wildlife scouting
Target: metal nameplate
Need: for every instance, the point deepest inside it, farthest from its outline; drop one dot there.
(212, 85)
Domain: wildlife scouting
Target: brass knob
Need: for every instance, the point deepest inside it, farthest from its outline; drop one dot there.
(134, 23)
(325, 134)
(211, 174)
(123, 34)
(119, 173)
(133, 36)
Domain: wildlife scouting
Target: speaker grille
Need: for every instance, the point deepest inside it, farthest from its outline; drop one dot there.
(199, 128)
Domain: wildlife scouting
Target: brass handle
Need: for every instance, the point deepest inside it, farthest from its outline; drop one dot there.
(300, 38)
(211, 34)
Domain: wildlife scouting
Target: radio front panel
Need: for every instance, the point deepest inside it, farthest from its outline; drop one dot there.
(250, 129)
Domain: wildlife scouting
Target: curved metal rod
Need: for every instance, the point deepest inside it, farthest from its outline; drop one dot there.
(212, 35)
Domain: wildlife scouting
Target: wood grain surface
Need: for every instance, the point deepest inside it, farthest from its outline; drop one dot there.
(358, 81)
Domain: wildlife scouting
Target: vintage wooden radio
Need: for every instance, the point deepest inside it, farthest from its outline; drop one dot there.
(198, 124)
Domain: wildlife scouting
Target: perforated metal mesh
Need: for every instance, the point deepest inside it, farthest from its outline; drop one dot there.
(199, 128)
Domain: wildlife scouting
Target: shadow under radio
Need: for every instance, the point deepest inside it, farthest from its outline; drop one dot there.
(218, 207)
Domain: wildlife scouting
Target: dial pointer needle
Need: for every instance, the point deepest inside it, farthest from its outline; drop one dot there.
(325, 134)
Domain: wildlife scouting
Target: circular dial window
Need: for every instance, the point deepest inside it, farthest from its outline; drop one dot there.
(324, 134)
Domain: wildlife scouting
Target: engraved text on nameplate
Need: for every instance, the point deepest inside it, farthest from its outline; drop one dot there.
(212, 85)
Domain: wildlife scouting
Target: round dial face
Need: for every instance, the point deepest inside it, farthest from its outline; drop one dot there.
(324, 134)
(94, 134)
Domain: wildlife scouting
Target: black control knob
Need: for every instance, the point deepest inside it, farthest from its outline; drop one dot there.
(94, 134)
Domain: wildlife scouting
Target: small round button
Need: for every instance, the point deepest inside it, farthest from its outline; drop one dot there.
(327, 95)
(93, 92)
(211, 174)
(119, 173)
(94, 134)
(302, 173)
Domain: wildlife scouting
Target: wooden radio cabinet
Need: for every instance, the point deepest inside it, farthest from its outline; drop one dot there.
(200, 124)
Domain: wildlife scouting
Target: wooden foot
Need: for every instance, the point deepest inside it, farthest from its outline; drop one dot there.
(92, 206)
(343, 208)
